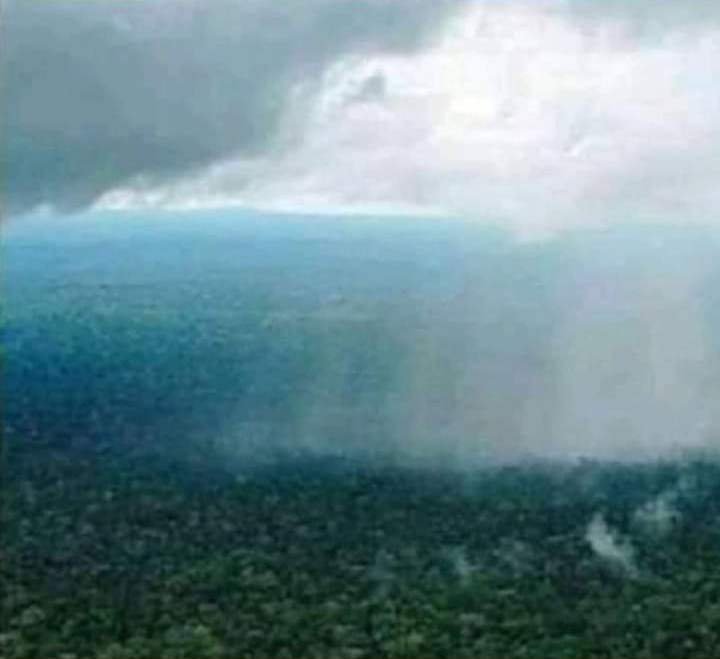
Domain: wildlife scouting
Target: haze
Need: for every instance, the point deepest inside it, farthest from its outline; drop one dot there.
(565, 154)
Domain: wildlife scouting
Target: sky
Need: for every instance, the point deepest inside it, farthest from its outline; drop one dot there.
(538, 115)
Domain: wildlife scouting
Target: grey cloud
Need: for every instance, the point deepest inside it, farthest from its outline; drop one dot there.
(372, 89)
(96, 95)
(645, 17)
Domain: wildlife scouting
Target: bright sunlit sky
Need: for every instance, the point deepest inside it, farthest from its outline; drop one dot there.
(535, 114)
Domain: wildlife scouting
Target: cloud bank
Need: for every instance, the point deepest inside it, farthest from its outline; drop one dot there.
(98, 95)
(537, 115)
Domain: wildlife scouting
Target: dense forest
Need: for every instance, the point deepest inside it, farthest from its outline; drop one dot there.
(104, 556)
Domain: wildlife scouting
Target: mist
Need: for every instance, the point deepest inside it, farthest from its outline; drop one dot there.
(419, 343)
(615, 551)
(589, 346)
(635, 369)
(598, 346)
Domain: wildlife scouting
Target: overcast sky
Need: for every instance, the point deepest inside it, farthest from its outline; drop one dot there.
(538, 114)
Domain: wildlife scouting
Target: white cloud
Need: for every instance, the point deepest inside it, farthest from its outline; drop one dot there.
(521, 113)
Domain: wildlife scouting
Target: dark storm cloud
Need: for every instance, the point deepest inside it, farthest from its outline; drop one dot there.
(97, 94)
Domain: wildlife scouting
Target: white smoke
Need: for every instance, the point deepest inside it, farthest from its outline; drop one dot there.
(610, 547)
